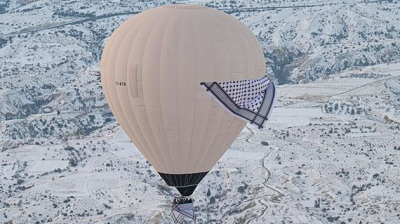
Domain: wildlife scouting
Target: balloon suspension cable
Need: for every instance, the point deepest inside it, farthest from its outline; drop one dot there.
(182, 207)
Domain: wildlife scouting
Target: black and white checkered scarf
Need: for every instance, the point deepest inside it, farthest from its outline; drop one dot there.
(250, 100)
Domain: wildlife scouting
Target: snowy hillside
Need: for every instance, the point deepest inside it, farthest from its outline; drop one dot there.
(329, 155)
(312, 164)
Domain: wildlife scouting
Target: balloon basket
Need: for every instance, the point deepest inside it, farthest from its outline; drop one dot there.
(182, 207)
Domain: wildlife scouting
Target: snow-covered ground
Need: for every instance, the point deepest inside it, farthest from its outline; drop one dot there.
(328, 155)
(307, 166)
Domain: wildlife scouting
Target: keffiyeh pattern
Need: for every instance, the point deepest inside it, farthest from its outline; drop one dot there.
(250, 100)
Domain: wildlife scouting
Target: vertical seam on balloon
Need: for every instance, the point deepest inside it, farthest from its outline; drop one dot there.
(104, 77)
(115, 110)
(149, 123)
(219, 126)
(210, 149)
(195, 102)
(145, 46)
(193, 170)
(124, 117)
(149, 148)
(241, 40)
(185, 169)
(118, 97)
(209, 160)
(145, 140)
(205, 155)
(177, 105)
(148, 155)
(150, 152)
(128, 120)
(194, 113)
(159, 92)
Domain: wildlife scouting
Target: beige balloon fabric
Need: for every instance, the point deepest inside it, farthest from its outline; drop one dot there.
(151, 70)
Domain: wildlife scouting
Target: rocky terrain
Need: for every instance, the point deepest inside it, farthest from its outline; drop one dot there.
(329, 155)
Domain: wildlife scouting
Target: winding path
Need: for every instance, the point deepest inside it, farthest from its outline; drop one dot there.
(280, 194)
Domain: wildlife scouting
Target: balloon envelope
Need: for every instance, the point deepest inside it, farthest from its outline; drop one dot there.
(151, 68)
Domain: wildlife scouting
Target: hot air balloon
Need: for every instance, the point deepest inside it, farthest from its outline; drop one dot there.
(182, 81)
